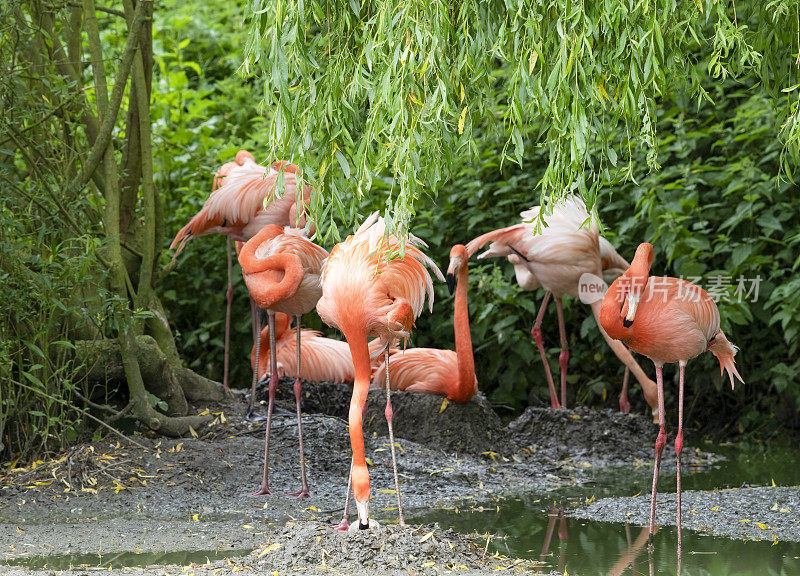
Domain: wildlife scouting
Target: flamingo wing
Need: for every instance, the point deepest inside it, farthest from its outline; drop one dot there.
(423, 370)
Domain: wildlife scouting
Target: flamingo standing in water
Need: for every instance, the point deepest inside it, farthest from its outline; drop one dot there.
(369, 289)
(434, 371)
(281, 268)
(236, 209)
(668, 320)
(556, 258)
(324, 359)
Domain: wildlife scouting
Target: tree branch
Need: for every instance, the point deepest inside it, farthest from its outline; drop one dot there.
(108, 119)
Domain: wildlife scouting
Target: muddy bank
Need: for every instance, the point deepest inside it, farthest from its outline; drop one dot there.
(313, 548)
(193, 494)
(764, 513)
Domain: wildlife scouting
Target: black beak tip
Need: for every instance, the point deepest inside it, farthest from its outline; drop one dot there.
(627, 323)
(451, 282)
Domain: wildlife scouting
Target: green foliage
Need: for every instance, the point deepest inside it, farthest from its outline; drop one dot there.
(717, 208)
(50, 284)
(203, 113)
(383, 88)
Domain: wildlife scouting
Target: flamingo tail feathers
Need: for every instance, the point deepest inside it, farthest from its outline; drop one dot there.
(197, 226)
(502, 234)
(725, 352)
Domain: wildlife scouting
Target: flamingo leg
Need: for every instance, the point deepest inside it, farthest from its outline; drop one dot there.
(257, 341)
(263, 490)
(254, 322)
(389, 416)
(624, 404)
(678, 448)
(563, 534)
(303, 493)
(536, 332)
(552, 517)
(229, 301)
(563, 357)
(344, 525)
(661, 440)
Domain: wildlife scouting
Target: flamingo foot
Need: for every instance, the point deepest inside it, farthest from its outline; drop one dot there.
(263, 490)
(342, 526)
(624, 405)
(303, 493)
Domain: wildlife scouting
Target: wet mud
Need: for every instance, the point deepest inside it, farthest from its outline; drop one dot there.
(762, 513)
(193, 494)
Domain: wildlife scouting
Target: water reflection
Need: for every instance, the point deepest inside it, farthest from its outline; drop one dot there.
(528, 529)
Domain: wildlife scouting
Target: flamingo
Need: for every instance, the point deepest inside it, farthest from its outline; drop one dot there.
(674, 322)
(372, 287)
(281, 269)
(324, 359)
(236, 209)
(556, 258)
(434, 371)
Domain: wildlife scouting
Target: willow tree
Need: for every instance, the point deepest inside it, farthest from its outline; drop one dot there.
(404, 91)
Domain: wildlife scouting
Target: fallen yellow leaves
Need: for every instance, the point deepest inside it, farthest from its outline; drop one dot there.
(269, 549)
(427, 536)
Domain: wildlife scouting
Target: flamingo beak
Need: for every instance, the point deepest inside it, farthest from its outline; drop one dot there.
(451, 282)
(363, 515)
(633, 303)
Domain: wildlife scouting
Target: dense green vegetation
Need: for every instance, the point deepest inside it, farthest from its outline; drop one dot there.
(718, 205)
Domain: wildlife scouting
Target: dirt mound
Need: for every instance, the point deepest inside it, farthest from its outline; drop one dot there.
(605, 435)
(410, 550)
(470, 428)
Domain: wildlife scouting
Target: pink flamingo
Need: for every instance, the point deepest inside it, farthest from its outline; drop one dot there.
(236, 209)
(434, 371)
(556, 258)
(371, 287)
(674, 322)
(324, 359)
(281, 268)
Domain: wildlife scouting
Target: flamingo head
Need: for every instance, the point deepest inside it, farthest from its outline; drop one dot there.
(284, 165)
(243, 156)
(635, 280)
(458, 259)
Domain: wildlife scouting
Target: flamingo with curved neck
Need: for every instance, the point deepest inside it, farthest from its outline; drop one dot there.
(281, 268)
(435, 371)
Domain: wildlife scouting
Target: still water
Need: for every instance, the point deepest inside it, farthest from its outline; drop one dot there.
(536, 528)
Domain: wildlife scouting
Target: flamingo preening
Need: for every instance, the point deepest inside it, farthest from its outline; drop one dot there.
(555, 259)
(668, 320)
(244, 199)
(434, 371)
(371, 287)
(281, 268)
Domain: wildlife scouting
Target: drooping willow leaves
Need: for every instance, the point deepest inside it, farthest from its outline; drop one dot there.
(402, 92)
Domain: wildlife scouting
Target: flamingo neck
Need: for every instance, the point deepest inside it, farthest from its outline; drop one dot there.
(466, 363)
(607, 314)
(359, 350)
(267, 288)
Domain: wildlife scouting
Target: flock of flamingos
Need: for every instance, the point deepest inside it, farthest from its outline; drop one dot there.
(371, 286)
